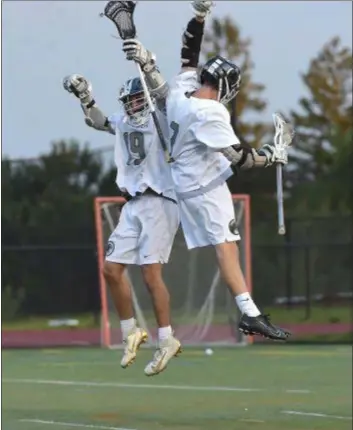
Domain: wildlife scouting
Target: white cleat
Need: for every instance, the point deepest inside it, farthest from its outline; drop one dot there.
(167, 349)
(134, 340)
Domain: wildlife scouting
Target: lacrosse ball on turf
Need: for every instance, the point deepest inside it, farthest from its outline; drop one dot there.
(208, 351)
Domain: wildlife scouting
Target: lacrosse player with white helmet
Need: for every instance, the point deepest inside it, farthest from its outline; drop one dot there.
(120, 13)
(148, 221)
(203, 147)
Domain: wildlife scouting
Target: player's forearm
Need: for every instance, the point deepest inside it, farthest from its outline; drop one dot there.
(95, 118)
(191, 48)
(254, 160)
(155, 81)
(244, 157)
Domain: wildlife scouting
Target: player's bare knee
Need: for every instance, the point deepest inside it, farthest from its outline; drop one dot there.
(152, 275)
(113, 272)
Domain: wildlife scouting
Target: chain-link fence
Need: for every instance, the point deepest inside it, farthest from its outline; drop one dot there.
(304, 282)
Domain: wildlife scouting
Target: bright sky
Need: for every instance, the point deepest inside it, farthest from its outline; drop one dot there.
(45, 40)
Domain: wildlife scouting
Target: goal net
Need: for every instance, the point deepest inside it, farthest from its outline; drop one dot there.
(203, 311)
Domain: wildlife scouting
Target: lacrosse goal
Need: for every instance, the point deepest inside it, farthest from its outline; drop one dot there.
(203, 311)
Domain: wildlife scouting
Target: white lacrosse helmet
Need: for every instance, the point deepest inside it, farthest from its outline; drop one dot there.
(134, 101)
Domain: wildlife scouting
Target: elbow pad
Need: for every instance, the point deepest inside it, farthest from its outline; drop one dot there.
(192, 38)
(95, 118)
(233, 154)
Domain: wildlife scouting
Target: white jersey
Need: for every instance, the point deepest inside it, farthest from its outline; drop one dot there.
(139, 158)
(199, 128)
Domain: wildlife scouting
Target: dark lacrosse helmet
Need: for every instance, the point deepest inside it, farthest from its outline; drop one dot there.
(222, 75)
(134, 101)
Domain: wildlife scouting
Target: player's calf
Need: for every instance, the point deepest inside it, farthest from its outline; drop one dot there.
(252, 321)
(152, 276)
(133, 336)
(114, 275)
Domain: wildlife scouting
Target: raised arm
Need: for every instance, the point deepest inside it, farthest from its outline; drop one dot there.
(190, 52)
(193, 35)
(81, 88)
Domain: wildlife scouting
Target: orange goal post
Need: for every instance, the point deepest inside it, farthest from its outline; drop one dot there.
(203, 311)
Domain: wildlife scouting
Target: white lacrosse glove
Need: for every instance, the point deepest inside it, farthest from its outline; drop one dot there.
(135, 51)
(201, 8)
(79, 86)
(273, 154)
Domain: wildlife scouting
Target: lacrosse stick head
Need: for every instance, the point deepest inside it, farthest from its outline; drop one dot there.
(135, 104)
(284, 132)
(121, 14)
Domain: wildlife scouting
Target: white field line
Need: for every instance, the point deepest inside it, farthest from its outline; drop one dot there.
(142, 386)
(315, 414)
(60, 424)
(123, 385)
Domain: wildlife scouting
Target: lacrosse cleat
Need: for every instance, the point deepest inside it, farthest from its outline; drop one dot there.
(262, 326)
(167, 349)
(133, 341)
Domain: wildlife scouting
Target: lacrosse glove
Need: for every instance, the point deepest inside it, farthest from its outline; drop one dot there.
(274, 155)
(134, 50)
(79, 87)
(201, 8)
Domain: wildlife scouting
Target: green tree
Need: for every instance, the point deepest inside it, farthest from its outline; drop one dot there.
(332, 191)
(322, 155)
(327, 107)
(224, 38)
(48, 227)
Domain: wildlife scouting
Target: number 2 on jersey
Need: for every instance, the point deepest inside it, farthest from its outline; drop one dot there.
(135, 145)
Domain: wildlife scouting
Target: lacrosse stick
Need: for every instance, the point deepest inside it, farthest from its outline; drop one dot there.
(121, 13)
(284, 134)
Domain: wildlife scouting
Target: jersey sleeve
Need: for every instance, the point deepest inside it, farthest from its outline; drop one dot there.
(186, 81)
(115, 120)
(214, 128)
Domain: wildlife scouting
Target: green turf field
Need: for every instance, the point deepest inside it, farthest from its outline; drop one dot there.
(258, 387)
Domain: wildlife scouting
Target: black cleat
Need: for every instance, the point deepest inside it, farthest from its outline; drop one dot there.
(262, 326)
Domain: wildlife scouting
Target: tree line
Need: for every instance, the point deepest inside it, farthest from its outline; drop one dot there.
(48, 236)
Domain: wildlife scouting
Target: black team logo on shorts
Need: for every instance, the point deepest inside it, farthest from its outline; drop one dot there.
(233, 228)
(110, 248)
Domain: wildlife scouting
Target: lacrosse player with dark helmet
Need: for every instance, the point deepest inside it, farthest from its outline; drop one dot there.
(204, 146)
(148, 221)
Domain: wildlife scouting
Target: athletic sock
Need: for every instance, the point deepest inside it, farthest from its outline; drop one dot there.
(164, 332)
(127, 326)
(246, 305)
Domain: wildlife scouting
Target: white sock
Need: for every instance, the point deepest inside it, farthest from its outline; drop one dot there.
(127, 326)
(246, 305)
(164, 332)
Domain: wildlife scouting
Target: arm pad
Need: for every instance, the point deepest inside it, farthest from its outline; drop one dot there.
(155, 81)
(244, 157)
(95, 118)
(192, 39)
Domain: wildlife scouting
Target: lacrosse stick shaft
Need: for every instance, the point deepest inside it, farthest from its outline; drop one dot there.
(280, 209)
(154, 115)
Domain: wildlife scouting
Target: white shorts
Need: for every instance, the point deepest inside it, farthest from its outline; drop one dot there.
(207, 219)
(145, 232)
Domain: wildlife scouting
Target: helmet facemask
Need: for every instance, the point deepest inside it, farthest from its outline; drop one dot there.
(134, 102)
(227, 91)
